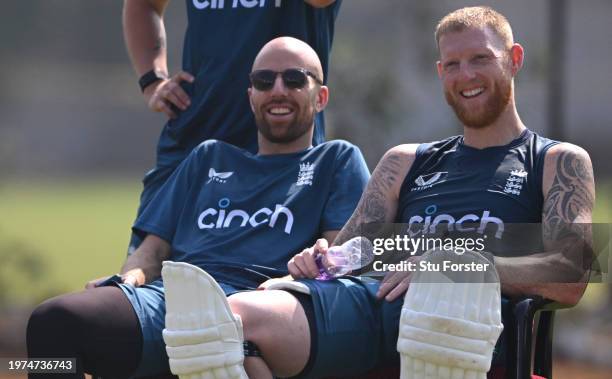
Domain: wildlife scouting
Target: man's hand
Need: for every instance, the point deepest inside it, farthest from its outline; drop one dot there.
(132, 278)
(303, 265)
(396, 283)
(145, 264)
(135, 278)
(96, 282)
(161, 96)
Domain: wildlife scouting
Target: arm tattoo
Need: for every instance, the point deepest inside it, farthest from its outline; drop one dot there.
(570, 201)
(160, 44)
(372, 207)
(570, 196)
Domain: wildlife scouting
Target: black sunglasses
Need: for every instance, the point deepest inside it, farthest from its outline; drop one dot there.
(293, 78)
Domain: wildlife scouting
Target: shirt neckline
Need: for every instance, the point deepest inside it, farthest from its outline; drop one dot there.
(524, 136)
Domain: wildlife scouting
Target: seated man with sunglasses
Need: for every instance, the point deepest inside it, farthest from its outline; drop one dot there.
(236, 215)
(205, 100)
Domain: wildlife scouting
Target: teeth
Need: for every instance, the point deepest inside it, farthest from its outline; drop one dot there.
(472, 92)
(280, 111)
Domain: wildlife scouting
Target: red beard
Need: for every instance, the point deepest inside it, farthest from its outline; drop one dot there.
(491, 110)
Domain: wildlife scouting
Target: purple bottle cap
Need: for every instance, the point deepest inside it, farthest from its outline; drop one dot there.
(323, 273)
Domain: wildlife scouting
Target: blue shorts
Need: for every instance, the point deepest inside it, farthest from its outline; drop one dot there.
(354, 331)
(362, 333)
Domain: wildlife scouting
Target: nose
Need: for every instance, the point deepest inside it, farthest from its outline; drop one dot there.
(467, 71)
(279, 85)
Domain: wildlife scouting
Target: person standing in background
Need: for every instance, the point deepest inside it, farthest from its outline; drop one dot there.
(207, 98)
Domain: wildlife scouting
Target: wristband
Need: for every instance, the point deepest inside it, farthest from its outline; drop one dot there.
(149, 78)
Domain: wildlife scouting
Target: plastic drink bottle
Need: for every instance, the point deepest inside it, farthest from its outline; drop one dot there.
(351, 255)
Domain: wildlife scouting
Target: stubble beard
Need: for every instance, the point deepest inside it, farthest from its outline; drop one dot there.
(301, 125)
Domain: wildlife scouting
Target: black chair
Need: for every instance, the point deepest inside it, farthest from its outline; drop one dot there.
(525, 355)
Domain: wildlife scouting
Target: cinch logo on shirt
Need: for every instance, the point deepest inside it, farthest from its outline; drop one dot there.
(220, 4)
(212, 218)
(430, 223)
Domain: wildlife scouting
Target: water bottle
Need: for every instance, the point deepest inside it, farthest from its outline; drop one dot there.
(351, 255)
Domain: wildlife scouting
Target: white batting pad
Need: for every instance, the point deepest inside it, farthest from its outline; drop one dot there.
(203, 338)
(450, 321)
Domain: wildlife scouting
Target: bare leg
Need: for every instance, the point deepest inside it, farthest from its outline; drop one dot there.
(257, 368)
(97, 326)
(276, 322)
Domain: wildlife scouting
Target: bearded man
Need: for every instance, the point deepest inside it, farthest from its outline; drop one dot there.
(239, 216)
(497, 174)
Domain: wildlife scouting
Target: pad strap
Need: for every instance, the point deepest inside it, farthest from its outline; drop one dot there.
(251, 350)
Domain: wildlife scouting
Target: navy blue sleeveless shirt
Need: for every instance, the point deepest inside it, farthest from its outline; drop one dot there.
(456, 188)
(222, 39)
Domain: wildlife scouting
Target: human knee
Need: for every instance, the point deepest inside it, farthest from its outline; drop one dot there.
(276, 322)
(50, 321)
(254, 314)
(266, 314)
(51, 313)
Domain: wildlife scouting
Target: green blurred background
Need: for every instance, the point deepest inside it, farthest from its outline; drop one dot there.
(76, 137)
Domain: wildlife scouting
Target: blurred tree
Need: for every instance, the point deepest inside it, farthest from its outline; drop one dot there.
(23, 275)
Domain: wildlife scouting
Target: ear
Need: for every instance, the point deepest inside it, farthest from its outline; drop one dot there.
(322, 98)
(250, 93)
(439, 68)
(517, 56)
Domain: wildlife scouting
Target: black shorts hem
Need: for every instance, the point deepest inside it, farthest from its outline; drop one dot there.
(306, 303)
